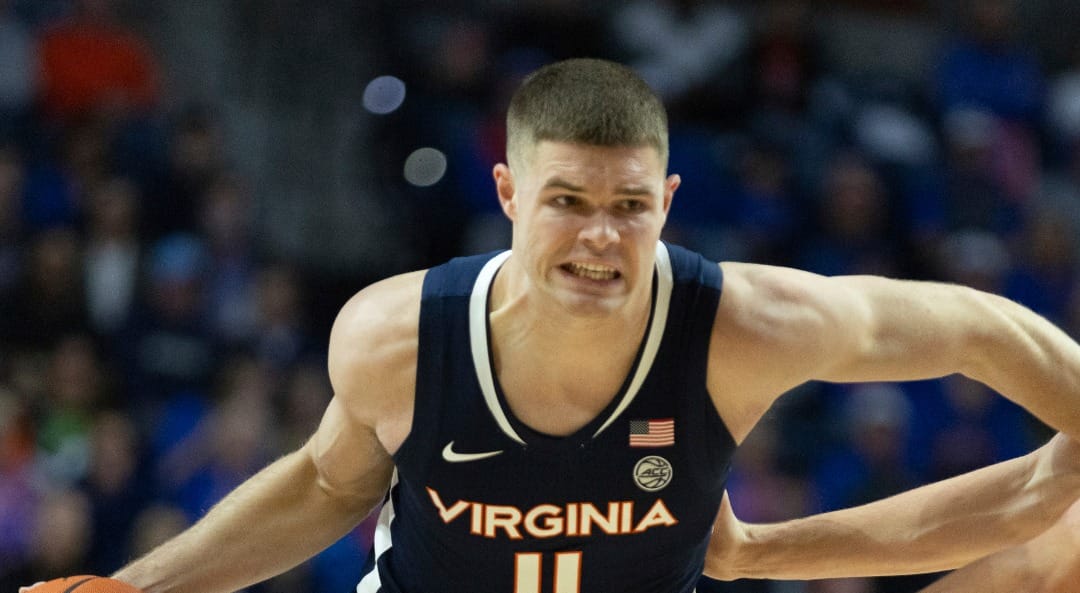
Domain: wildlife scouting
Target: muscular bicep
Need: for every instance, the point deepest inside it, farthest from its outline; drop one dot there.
(372, 366)
(351, 463)
(902, 330)
(777, 328)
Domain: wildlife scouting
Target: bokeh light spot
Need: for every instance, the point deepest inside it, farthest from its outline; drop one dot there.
(425, 166)
(384, 95)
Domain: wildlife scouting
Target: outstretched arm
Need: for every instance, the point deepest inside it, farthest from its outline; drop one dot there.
(307, 500)
(280, 517)
(936, 527)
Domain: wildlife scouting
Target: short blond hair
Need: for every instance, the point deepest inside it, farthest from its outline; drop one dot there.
(585, 101)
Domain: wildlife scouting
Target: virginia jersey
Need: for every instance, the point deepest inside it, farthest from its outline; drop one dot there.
(481, 503)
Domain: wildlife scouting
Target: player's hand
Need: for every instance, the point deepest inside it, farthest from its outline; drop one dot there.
(27, 589)
(728, 535)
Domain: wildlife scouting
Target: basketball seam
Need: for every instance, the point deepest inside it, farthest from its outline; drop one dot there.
(78, 584)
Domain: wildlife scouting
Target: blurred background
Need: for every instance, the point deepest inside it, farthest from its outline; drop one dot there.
(190, 190)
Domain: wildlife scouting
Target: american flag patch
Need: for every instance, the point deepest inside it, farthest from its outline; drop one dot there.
(652, 433)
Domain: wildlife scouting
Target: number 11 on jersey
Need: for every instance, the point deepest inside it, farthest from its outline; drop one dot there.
(527, 571)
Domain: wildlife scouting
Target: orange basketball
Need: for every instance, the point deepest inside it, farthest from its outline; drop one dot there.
(84, 584)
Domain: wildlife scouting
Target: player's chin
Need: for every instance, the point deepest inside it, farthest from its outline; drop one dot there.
(592, 305)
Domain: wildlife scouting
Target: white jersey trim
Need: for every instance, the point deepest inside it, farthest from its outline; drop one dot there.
(478, 340)
(664, 282)
(371, 583)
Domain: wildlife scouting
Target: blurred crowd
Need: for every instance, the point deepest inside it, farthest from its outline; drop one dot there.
(153, 354)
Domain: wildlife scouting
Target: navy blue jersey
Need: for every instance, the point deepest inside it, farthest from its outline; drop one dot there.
(481, 503)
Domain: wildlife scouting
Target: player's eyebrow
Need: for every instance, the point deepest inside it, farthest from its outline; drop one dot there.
(634, 190)
(560, 183)
(630, 190)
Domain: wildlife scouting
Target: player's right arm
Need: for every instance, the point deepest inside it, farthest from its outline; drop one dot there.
(308, 499)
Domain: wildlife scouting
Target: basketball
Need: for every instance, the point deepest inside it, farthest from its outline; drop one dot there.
(84, 584)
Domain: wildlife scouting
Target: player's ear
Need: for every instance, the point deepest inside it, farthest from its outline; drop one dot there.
(504, 186)
(670, 185)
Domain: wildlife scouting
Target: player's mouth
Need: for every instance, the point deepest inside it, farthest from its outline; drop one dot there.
(596, 272)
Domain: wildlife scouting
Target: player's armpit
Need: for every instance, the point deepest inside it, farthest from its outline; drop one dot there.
(728, 535)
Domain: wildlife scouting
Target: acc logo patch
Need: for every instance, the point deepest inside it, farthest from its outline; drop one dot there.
(652, 473)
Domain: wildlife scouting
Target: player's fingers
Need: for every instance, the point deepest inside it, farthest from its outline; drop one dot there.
(27, 589)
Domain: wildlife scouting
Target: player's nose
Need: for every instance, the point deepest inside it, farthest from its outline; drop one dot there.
(600, 231)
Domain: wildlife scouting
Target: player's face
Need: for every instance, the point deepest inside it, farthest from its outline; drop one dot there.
(586, 222)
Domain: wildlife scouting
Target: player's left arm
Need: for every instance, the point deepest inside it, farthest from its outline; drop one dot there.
(937, 527)
(1049, 563)
(777, 328)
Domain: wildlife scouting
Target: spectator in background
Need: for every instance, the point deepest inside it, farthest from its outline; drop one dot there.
(62, 532)
(49, 301)
(760, 492)
(18, 73)
(226, 223)
(784, 58)
(168, 347)
(766, 212)
(871, 465)
(63, 172)
(986, 71)
(11, 235)
(112, 255)
(1063, 110)
(306, 392)
(984, 68)
(91, 64)
(234, 439)
(856, 233)
(968, 427)
(963, 192)
(18, 499)
(196, 161)
(1047, 266)
(97, 73)
(281, 338)
(115, 489)
(76, 386)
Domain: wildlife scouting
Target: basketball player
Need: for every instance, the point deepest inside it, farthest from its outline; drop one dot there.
(561, 419)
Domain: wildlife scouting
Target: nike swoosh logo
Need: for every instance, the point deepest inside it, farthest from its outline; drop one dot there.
(452, 456)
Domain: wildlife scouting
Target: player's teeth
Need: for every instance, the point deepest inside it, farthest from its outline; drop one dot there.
(593, 272)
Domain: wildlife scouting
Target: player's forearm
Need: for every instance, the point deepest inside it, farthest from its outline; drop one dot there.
(273, 522)
(937, 527)
(1046, 564)
(1027, 359)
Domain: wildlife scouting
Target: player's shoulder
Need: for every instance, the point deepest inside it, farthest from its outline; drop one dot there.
(384, 305)
(765, 302)
(378, 327)
(748, 283)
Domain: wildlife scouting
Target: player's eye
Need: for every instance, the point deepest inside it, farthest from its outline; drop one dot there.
(632, 205)
(565, 201)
